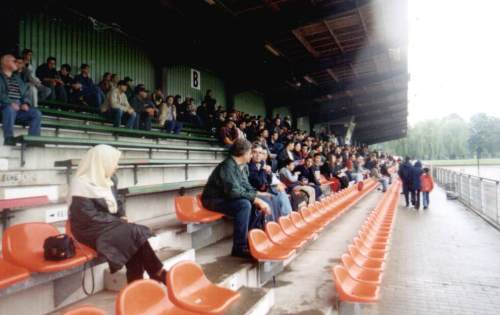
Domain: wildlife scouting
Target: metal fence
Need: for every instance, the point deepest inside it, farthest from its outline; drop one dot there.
(479, 193)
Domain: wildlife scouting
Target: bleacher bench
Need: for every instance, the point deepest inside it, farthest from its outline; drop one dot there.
(135, 163)
(42, 140)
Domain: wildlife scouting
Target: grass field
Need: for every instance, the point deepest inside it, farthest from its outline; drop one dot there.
(468, 162)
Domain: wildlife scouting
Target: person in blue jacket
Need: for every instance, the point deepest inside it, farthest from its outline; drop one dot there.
(405, 174)
(416, 172)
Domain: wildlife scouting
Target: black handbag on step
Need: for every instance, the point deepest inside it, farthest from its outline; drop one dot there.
(59, 247)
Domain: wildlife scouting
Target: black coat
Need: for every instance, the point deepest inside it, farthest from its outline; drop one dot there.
(93, 225)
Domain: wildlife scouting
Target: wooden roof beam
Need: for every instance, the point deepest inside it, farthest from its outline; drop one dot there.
(298, 34)
(337, 42)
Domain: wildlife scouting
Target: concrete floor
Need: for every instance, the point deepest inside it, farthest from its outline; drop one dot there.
(306, 286)
(444, 260)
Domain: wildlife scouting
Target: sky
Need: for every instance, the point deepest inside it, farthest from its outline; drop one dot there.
(453, 58)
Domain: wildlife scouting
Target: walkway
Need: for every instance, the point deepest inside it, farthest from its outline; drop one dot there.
(445, 260)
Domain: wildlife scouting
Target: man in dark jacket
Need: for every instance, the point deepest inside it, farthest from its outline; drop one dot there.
(416, 172)
(14, 101)
(228, 191)
(47, 73)
(405, 173)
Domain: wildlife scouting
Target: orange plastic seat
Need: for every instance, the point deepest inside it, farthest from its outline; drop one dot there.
(146, 297)
(312, 220)
(189, 209)
(369, 252)
(278, 237)
(361, 274)
(85, 310)
(189, 288)
(263, 249)
(300, 224)
(90, 253)
(23, 246)
(10, 274)
(372, 245)
(350, 290)
(365, 262)
(291, 230)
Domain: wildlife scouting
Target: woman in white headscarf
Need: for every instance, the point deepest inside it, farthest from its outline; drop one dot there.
(98, 220)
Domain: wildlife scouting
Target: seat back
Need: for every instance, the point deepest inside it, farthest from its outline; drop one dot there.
(287, 225)
(186, 205)
(297, 219)
(85, 310)
(258, 240)
(348, 262)
(184, 278)
(142, 297)
(274, 231)
(22, 242)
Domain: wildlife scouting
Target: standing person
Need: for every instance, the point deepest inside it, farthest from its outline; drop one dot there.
(426, 185)
(415, 187)
(228, 191)
(97, 218)
(405, 174)
(14, 101)
(210, 103)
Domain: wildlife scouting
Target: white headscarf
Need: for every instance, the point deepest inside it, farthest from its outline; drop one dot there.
(93, 176)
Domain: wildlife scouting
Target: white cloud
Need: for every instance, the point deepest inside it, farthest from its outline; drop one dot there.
(453, 58)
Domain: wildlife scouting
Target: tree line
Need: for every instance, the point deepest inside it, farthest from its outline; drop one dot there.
(450, 138)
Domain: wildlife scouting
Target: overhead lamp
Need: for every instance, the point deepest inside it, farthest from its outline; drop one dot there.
(272, 50)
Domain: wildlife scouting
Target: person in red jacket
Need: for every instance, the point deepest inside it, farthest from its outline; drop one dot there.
(426, 184)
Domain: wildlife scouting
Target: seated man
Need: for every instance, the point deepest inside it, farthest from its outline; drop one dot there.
(290, 177)
(228, 134)
(334, 171)
(144, 108)
(47, 73)
(116, 104)
(14, 101)
(89, 91)
(261, 178)
(308, 176)
(228, 191)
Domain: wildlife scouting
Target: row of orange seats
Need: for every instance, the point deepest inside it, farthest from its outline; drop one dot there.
(359, 276)
(188, 292)
(280, 240)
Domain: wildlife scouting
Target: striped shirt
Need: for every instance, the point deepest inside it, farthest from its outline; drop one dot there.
(14, 89)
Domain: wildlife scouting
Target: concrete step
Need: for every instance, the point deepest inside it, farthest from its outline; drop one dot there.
(169, 257)
(146, 175)
(51, 191)
(18, 130)
(53, 153)
(45, 293)
(253, 301)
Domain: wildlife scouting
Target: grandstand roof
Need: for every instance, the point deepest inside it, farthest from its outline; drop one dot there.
(326, 58)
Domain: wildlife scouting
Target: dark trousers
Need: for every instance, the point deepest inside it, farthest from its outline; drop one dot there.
(406, 192)
(245, 216)
(415, 198)
(144, 259)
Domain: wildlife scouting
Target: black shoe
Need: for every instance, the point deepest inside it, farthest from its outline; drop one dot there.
(425, 208)
(9, 141)
(242, 253)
